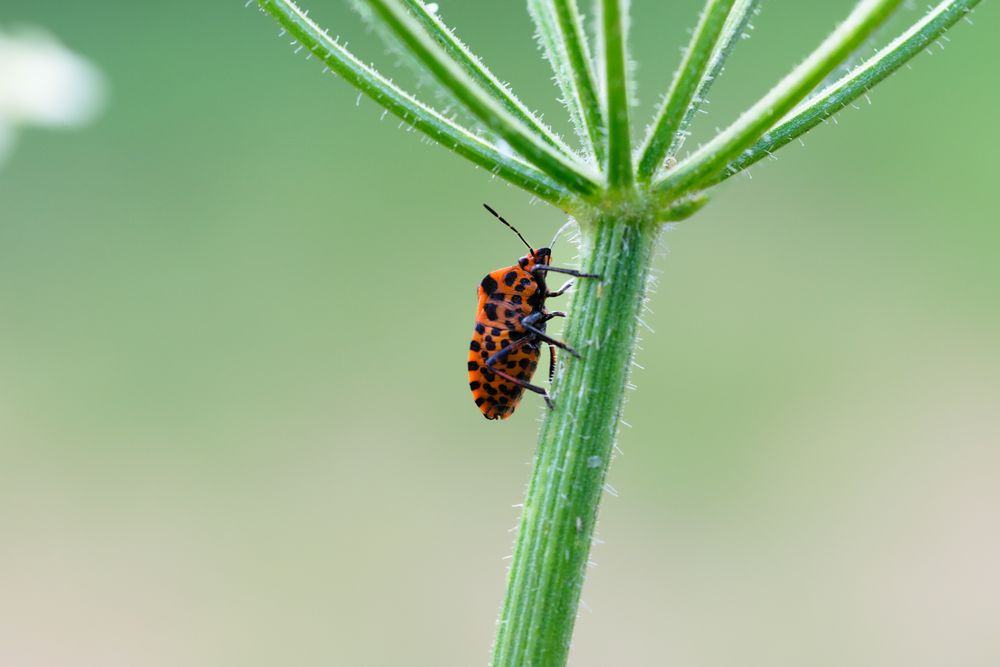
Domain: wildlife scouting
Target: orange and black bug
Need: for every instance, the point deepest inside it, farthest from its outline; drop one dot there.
(510, 329)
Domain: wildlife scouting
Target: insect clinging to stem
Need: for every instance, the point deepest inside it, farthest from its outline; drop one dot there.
(510, 329)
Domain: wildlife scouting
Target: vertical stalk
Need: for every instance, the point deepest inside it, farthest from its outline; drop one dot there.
(582, 70)
(620, 170)
(689, 77)
(575, 444)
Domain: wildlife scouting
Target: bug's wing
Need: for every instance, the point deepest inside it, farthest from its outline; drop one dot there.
(497, 396)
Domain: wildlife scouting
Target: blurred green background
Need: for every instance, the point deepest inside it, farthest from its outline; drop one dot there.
(221, 443)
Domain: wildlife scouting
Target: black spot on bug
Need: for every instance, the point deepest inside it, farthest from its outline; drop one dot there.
(524, 281)
(484, 354)
(523, 376)
(488, 375)
(515, 298)
(509, 279)
(504, 344)
(489, 285)
(490, 389)
(516, 334)
(509, 313)
(491, 311)
(511, 364)
(504, 401)
(480, 329)
(523, 261)
(480, 400)
(474, 346)
(473, 366)
(490, 345)
(497, 296)
(474, 385)
(496, 331)
(524, 363)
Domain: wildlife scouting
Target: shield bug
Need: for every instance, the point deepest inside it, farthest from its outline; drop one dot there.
(510, 330)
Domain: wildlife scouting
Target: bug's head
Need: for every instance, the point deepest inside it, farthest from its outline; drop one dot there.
(542, 256)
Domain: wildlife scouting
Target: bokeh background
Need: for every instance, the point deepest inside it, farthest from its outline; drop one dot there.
(222, 443)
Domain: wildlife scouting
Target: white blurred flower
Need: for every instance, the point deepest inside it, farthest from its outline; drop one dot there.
(45, 84)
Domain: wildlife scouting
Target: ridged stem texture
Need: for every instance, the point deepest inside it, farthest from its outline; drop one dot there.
(575, 445)
(619, 167)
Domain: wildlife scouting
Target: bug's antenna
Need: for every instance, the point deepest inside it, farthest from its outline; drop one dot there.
(501, 219)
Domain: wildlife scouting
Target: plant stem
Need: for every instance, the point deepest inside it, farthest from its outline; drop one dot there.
(446, 132)
(753, 123)
(620, 171)
(575, 443)
(475, 68)
(687, 79)
(582, 71)
(550, 38)
(858, 82)
(733, 31)
(569, 171)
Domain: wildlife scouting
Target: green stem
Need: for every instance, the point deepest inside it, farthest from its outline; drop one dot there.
(850, 87)
(474, 67)
(732, 32)
(687, 80)
(403, 105)
(753, 123)
(620, 171)
(570, 172)
(575, 444)
(582, 71)
(550, 40)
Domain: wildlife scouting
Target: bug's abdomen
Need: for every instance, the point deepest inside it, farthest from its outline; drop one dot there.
(497, 396)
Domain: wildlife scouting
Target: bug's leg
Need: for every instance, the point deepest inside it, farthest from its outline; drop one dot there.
(552, 363)
(540, 316)
(537, 316)
(522, 383)
(540, 335)
(568, 272)
(498, 356)
(561, 290)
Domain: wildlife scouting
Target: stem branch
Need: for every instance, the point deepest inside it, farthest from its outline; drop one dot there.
(570, 172)
(748, 128)
(582, 71)
(850, 87)
(403, 105)
(687, 80)
(734, 29)
(487, 81)
(620, 170)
